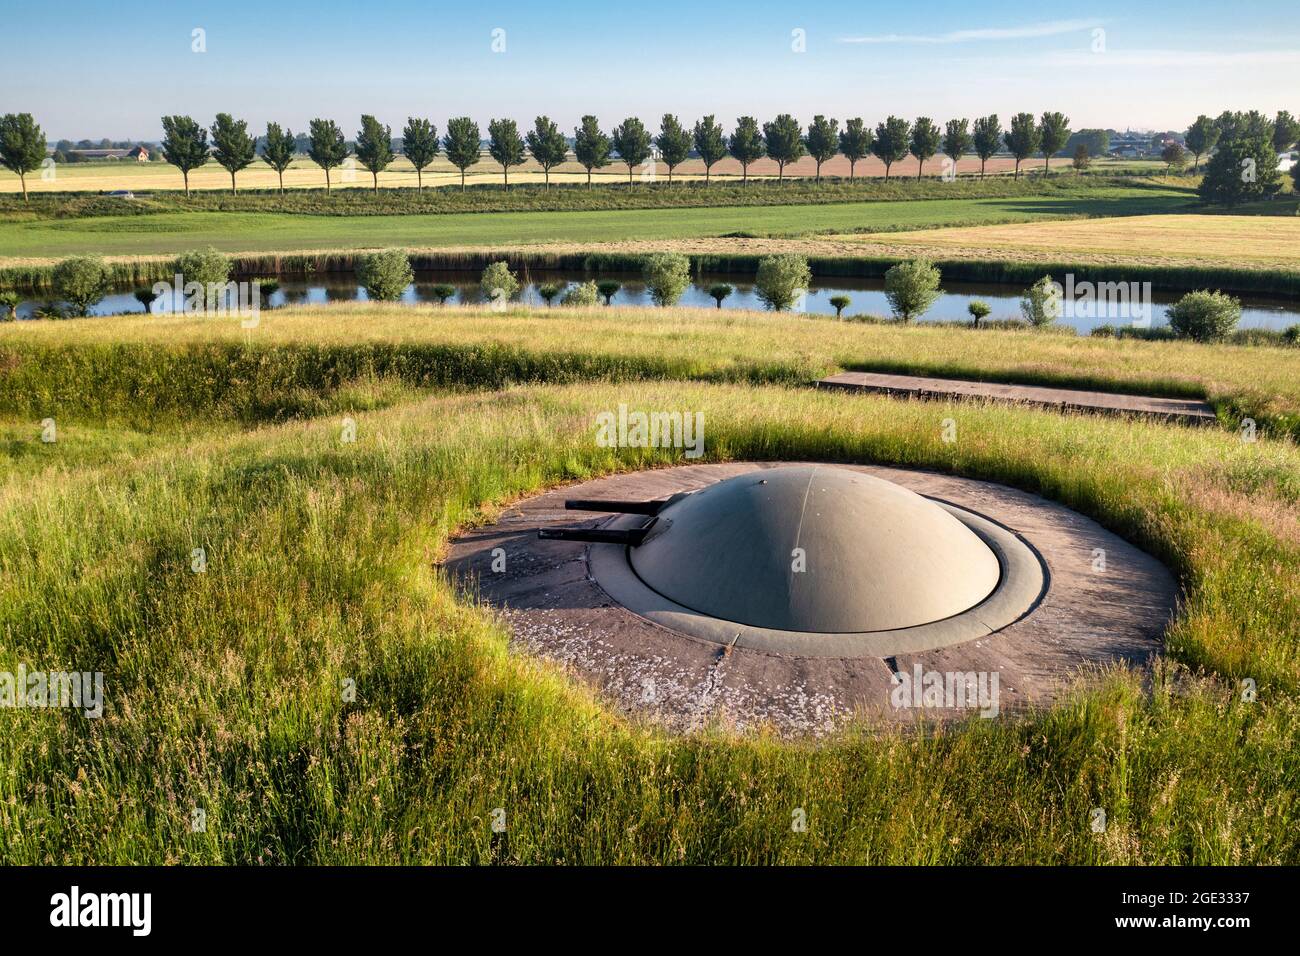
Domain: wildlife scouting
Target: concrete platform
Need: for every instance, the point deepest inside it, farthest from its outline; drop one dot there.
(1106, 602)
(1184, 411)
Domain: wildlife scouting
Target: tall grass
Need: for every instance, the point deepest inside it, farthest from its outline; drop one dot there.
(297, 358)
(223, 688)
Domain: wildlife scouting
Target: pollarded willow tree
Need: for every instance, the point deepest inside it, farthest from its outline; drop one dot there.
(419, 146)
(823, 141)
(784, 141)
(462, 144)
(746, 145)
(1053, 134)
(855, 142)
(326, 146)
(547, 146)
(709, 143)
(891, 142)
(278, 149)
(1022, 139)
(184, 145)
(632, 143)
(591, 146)
(232, 147)
(22, 146)
(505, 145)
(987, 138)
(374, 147)
(924, 142)
(674, 143)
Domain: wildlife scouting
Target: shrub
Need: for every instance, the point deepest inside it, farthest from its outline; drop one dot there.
(50, 310)
(1204, 316)
(979, 310)
(442, 292)
(385, 275)
(911, 288)
(667, 274)
(204, 266)
(267, 287)
(1224, 181)
(81, 281)
(498, 282)
(781, 279)
(582, 294)
(840, 302)
(608, 288)
(548, 291)
(1041, 303)
(8, 305)
(146, 298)
(719, 291)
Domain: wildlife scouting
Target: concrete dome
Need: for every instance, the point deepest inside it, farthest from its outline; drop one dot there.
(877, 557)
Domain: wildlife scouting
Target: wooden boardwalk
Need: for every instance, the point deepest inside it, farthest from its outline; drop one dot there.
(1185, 411)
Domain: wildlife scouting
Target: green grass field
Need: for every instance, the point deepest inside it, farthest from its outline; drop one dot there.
(172, 232)
(223, 689)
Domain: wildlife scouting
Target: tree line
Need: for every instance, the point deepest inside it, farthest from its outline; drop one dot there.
(188, 145)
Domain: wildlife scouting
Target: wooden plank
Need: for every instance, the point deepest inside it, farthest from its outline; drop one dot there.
(1188, 411)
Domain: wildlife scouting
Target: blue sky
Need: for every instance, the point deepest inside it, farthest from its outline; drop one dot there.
(111, 69)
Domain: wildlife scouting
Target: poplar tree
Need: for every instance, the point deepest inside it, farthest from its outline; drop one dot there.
(591, 146)
(674, 143)
(326, 146)
(632, 143)
(419, 146)
(784, 141)
(547, 146)
(461, 144)
(746, 144)
(22, 146)
(232, 147)
(278, 149)
(505, 145)
(855, 142)
(184, 145)
(374, 147)
(823, 141)
(709, 143)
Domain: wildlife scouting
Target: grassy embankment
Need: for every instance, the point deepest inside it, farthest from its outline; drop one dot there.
(44, 239)
(138, 365)
(223, 688)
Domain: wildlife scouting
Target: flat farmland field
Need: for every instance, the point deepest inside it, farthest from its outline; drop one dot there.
(304, 174)
(165, 233)
(1239, 240)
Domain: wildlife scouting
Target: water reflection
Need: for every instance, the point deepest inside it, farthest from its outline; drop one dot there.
(867, 295)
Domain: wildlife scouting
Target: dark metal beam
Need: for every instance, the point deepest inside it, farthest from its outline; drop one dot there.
(628, 536)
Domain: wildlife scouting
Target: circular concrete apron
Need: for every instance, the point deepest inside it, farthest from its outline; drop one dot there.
(671, 657)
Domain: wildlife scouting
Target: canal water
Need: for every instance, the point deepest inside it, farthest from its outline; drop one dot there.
(867, 295)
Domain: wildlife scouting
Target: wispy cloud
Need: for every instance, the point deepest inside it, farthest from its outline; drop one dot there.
(1184, 59)
(1048, 29)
